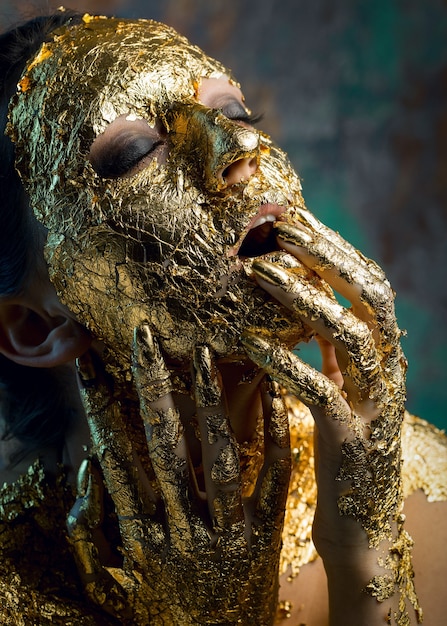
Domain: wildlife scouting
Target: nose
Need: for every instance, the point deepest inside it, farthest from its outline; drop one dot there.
(219, 151)
(240, 171)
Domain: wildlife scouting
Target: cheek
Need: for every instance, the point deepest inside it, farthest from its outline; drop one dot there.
(166, 220)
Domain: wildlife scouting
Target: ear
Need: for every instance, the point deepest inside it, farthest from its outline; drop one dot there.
(33, 337)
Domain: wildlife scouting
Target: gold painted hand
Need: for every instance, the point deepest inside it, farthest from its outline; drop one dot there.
(357, 403)
(199, 554)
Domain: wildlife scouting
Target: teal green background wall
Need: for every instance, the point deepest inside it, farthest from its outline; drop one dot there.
(356, 92)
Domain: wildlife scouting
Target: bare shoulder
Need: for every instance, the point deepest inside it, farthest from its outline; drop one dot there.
(424, 449)
(424, 453)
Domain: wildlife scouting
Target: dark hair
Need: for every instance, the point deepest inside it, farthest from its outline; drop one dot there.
(33, 401)
(17, 234)
(35, 407)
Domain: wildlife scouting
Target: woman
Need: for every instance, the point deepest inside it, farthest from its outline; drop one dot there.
(181, 267)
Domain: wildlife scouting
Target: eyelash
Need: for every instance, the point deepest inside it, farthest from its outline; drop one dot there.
(252, 118)
(239, 114)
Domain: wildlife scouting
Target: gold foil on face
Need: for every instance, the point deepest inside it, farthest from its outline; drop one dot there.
(155, 245)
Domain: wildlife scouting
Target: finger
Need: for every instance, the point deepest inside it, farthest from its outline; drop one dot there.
(220, 456)
(164, 432)
(351, 337)
(272, 487)
(309, 385)
(312, 229)
(355, 277)
(111, 444)
(87, 540)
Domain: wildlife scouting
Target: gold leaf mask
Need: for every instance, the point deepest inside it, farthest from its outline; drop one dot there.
(154, 236)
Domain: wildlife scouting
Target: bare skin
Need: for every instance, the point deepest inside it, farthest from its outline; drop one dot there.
(308, 592)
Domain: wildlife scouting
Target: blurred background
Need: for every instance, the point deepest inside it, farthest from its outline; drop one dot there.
(356, 92)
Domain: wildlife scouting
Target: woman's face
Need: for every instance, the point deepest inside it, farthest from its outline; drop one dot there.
(154, 185)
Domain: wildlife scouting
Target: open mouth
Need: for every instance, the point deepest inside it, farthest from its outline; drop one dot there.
(259, 240)
(259, 236)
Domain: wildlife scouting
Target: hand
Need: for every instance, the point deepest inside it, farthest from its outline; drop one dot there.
(358, 405)
(201, 555)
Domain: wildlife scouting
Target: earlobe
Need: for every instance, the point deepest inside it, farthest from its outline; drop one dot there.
(36, 339)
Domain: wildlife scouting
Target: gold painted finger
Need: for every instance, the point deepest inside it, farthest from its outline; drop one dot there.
(84, 517)
(112, 448)
(276, 419)
(355, 277)
(162, 424)
(164, 434)
(148, 366)
(351, 336)
(272, 488)
(272, 495)
(207, 386)
(312, 230)
(169, 458)
(124, 479)
(220, 456)
(299, 378)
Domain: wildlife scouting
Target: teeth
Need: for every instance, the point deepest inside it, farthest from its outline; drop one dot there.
(263, 220)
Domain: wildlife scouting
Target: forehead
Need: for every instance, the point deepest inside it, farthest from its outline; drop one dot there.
(107, 67)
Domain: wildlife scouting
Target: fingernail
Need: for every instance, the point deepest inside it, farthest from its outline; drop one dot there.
(299, 235)
(271, 273)
(257, 349)
(145, 334)
(151, 375)
(208, 391)
(144, 345)
(83, 479)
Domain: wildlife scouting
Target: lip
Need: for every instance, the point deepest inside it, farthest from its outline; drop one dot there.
(268, 213)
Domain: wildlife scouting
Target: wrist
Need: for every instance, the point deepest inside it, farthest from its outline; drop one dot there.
(350, 604)
(372, 585)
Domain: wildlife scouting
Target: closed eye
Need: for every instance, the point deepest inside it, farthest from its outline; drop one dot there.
(123, 156)
(125, 147)
(224, 96)
(235, 110)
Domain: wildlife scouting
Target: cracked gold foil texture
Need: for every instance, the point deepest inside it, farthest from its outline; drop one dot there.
(424, 451)
(32, 507)
(153, 246)
(226, 467)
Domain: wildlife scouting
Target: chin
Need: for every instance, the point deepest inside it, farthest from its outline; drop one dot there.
(218, 320)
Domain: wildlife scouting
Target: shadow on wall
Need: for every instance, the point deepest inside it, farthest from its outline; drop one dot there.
(357, 95)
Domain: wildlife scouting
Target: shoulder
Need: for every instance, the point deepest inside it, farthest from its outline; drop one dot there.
(424, 454)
